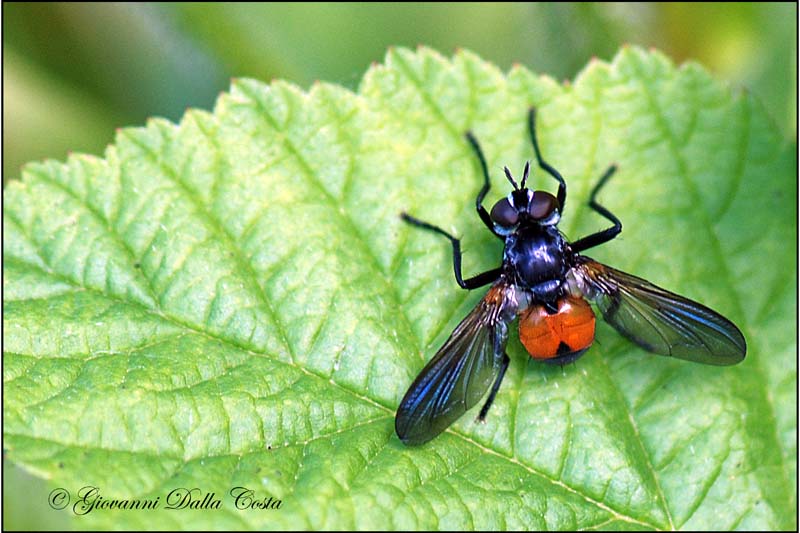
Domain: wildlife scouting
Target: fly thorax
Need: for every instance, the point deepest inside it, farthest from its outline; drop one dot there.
(536, 257)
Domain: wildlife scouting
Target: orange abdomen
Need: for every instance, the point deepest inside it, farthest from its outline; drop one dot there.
(547, 336)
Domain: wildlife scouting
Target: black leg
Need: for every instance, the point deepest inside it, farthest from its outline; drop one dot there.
(495, 388)
(607, 234)
(487, 220)
(562, 186)
(472, 283)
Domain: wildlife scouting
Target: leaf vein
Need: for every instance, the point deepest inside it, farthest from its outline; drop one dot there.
(388, 288)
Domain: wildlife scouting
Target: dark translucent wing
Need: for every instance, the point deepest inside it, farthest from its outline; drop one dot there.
(658, 320)
(461, 371)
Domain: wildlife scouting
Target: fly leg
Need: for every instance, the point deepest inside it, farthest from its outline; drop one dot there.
(495, 388)
(485, 218)
(472, 283)
(607, 234)
(562, 185)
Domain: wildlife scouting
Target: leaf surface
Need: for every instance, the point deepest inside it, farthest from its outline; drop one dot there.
(233, 301)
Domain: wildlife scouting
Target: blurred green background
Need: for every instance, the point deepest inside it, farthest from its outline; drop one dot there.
(73, 73)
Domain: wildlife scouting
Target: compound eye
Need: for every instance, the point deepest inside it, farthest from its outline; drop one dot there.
(542, 205)
(504, 213)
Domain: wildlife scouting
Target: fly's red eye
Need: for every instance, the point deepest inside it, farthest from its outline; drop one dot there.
(542, 205)
(504, 213)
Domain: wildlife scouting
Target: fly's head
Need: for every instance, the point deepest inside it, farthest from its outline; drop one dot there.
(523, 206)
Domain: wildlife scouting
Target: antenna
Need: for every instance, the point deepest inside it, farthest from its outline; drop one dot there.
(511, 178)
(525, 173)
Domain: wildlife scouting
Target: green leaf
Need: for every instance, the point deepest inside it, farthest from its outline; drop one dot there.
(233, 301)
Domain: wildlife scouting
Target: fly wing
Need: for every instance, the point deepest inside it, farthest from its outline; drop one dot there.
(461, 371)
(658, 320)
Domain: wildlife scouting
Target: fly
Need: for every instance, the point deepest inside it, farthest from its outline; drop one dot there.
(546, 283)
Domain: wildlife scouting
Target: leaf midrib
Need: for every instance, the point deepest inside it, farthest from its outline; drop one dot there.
(345, 389)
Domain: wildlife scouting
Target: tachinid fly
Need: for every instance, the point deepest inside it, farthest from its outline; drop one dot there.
(546, 282)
